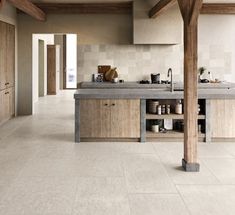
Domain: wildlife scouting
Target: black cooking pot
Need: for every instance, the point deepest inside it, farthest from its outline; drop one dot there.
(155, 78)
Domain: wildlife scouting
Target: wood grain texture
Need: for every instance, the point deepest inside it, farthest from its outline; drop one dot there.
(2, 2)
(190, 81)
(125, 118)
(51, 70)
(7, 104)
(3, 54)
(7, 71)
(161, 7)
(223, 118)
(109, 118)
(29, 8)
(86, 8)
(226, 8)
(10, 56)
(195, 12)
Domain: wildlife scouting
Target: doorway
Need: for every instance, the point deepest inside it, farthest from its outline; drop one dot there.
(70, 61)
(41, 66)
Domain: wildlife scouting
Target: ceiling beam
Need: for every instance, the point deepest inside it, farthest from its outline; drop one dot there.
(206, 8)
(160, 7)
(86, 8)
(195, 11)
(227, 8)
(29, 8)
(2, 3)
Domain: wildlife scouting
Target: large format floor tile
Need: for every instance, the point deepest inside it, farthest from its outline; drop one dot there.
(223, 169)
(39, 196)
(157, 204)
(209, 199)
(146, 174)
(43, 172)
(101, 196)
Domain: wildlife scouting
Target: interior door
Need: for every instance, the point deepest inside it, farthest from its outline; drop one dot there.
(41, 72)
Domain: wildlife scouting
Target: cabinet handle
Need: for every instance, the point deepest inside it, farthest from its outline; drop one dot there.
(7, 83)
(113, 104)
(106, 105)
(6, 93)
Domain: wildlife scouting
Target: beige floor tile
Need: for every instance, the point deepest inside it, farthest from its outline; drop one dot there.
(209, 199)
(222, 168)
(179, 176)
(157, 204)
(39, 196)
(40, 161)
(169, 152)
(145, 174)
(213, 150)
(101, 196)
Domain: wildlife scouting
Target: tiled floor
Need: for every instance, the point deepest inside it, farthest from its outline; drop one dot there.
(42, 171)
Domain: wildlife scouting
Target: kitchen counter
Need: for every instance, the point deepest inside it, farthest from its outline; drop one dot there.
(105, 111)
(151, 94)
(136, 85)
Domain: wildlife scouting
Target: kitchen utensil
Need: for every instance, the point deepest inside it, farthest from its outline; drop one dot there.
(153, 106)
(103, 69)
(155, 128)
(115, 80)
(155, 78)
(111, 74)
(98, 77)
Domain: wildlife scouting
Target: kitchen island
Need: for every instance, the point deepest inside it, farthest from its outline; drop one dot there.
(106, 113)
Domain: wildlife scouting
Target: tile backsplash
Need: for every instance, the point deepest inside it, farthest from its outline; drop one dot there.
(137, 62)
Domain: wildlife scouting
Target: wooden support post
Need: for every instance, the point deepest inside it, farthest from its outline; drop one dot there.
(2, 3)
(190, 10)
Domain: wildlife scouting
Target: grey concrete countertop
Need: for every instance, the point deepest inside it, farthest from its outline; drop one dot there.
(151, 94)
(136, 85)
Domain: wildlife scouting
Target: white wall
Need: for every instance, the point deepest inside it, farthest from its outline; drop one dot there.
(48, 40)
(217, 45)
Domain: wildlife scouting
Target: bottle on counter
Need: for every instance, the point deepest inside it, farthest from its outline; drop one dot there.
(163, 109)
(159, 110)
(179, 107)
(168, 109)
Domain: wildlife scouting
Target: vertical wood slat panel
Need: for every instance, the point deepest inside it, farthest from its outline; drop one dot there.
(223, 118)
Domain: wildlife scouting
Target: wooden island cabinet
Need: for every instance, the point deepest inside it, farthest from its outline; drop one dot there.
(108, 112)
(109, 118)
(222, 119)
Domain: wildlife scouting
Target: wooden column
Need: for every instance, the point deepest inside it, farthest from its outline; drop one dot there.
(2, 3)
(190, 10)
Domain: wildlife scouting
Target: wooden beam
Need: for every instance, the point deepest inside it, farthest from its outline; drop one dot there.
(161, 7)
(28, 7)
(86, 8)
(190, 162)
(226, 8)
(195, 12)
(2, 3)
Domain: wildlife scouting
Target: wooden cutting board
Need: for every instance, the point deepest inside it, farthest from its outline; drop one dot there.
(103, 69)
